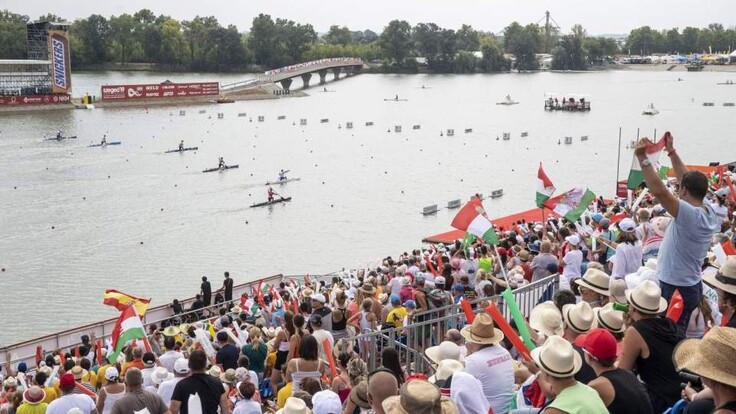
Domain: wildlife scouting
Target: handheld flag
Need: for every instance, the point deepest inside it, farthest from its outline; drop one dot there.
(127, 328)
(472, 219)
(571, 204)
(654, 150)
(120, 301)
(545, 188)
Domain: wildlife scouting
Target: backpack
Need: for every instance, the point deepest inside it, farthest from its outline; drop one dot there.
(436, 298)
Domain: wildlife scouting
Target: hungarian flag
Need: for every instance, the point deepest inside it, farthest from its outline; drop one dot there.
(472, 219)
(654, 150)
(120, 301)
(127, 328)
(571, 204)
(545, 188)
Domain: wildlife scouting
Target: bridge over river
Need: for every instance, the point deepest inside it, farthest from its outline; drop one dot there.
(284, 76)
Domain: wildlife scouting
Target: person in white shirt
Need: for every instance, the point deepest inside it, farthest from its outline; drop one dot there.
(169, 358)
(628, 257)
(166, 388)
(315, 321)
(572, 261)
(70, 400)
(490, 363)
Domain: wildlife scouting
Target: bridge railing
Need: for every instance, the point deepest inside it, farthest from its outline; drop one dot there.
(317, 64)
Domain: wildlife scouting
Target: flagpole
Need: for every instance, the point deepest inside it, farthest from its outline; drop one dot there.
(618, 160)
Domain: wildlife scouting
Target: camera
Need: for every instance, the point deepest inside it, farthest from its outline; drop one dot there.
(692, 378)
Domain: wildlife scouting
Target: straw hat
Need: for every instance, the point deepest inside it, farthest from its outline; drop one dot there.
(383, 298)
(445, 350)
(659, 224)
(359, 395)
(34, 395)
(295, 406)
(578, 317)
(184, 328)
(78, 372)
(710, 357)
(725, 278)
(10, 382)
(215, 371)
(609, 319)
(557, 358)
(419, 397)
(647, 298)
(546, 318)
(446, 368)
(236, 309)
(160, 374)
(595, 280)
(482, 331)
(617, 290)
(229, 376)
(368, 289)
(171, 331)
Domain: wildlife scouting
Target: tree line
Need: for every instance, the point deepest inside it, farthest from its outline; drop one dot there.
(203, 44)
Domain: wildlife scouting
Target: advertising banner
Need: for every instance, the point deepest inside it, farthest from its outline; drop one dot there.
(621, 190)
(34, 100)
(61, 70)
(161, 90)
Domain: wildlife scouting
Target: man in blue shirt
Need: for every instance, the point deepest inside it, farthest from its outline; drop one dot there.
(688, 236)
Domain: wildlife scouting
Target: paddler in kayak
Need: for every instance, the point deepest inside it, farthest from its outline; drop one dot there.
(222, 164)
(103, 142)
(181, 145)
(282, 175)
(270, 194)
(58, 134)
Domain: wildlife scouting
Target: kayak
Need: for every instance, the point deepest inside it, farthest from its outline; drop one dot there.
(59, 139)
(395, 100)
(182, 150)
(103, 145)
(288, 180)
(227, 167)
(268, 203)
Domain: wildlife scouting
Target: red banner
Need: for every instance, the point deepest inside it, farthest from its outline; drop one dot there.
(34, 100)
(161, 90)
(621, 189)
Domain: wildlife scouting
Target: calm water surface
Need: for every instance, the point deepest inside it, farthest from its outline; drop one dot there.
(361, 190)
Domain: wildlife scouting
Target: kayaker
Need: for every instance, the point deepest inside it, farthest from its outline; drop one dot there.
(58, 134)
(181, 145)
(222, 163)
(270, 194)
(282, 175)
(104, 140)
(397, 97)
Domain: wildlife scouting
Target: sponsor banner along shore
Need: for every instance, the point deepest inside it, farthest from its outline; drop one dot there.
(161, 90)
(48, 99)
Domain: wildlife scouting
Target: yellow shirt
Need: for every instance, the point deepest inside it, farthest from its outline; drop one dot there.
(100, 376)
(396, 316)
(26, 408)
(51, 394)
(284, 393)
(90, 378)
(271, 360)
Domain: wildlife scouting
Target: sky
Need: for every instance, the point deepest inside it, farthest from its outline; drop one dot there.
(597, 16)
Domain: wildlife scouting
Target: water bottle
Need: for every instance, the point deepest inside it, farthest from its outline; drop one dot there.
(623, 307)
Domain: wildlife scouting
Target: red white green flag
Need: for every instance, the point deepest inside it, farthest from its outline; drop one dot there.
(127, 328)
(472, 218)
(653, 151)
(571, 204)
(545, 188)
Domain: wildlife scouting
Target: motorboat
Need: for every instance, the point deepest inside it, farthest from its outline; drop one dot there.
(650, 110)
(507, 101)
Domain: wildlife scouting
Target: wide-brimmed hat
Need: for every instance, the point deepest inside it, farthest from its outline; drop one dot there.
(647, 298)
(229, 376)
(295, 406)
(546, 318)
(482, 331)
(523, 255)
(78, 372)
(418, 397)
(307, 292)
(659, 224)
(359, 395)
(368, 289)
(383, 298)
(609, 319)
(34, 395)
(184, 328)
(446, 368)
(318, 297)
(445, 350)
(236, 309)
(215, 371)
(578, 317)
(557, 358)
(10, 382)
(595, 280)
(710, 357)
(171, 331)
(617, 290)
(160, 374)
(725, 277)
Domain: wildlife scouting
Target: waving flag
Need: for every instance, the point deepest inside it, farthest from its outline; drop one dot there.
(545, 188)
(654, 150)
(571, 204)
(472, 219)
(120, 301)
(127, 328)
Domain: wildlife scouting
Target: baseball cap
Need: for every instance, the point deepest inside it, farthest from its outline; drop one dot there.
(66, 381)
(319, 297)
(597, 217)
(626, 225)
(326, 402)
(181, 366)
(605, 222)
(458, 287)
(439, 280)
(111, 373)
(574, 239)
(410, 304)
(600, 344)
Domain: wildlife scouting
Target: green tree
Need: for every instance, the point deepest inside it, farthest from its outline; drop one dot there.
(173, 45)
(673, 41)
(645, 41)
(13, 44)
(524, 43)
(121, 34)
(464, 62)
(338, 36)
(690, 39)
(569, 54)
(295, 38)
(396, 41)
(262, 41)
(91, 40)
(50, 17)
(468, 38)
(493, 60)
(599, 50)
(364, 37)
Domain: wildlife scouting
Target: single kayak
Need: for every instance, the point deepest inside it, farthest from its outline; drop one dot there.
(288, 180)
(268, 203)
(395, 100)
(104, 145)
(227, 167)
(182, 150)
(60, 138)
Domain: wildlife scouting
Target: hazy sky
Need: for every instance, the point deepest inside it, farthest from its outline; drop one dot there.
(597, 16)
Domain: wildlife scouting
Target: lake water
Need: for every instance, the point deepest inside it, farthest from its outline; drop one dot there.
(361, 190)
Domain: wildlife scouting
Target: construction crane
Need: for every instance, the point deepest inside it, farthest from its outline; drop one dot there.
(549, 30)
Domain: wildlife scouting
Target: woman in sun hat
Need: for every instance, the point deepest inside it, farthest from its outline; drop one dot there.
(33, 401)
(558, 363)
(649, 343)
(628, 250)
(419, 397)
(594, 287)
(546, 320)
(712, 359)
(724, 281)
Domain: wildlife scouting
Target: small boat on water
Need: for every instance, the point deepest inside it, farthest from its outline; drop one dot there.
(224, 99)
(497, 193)
(507, 101)
(288, 180)
(59, 138)
(104, 145)
(182, 150)
(227, 167)
(728, 82)
(650, 110)
(268, 203)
